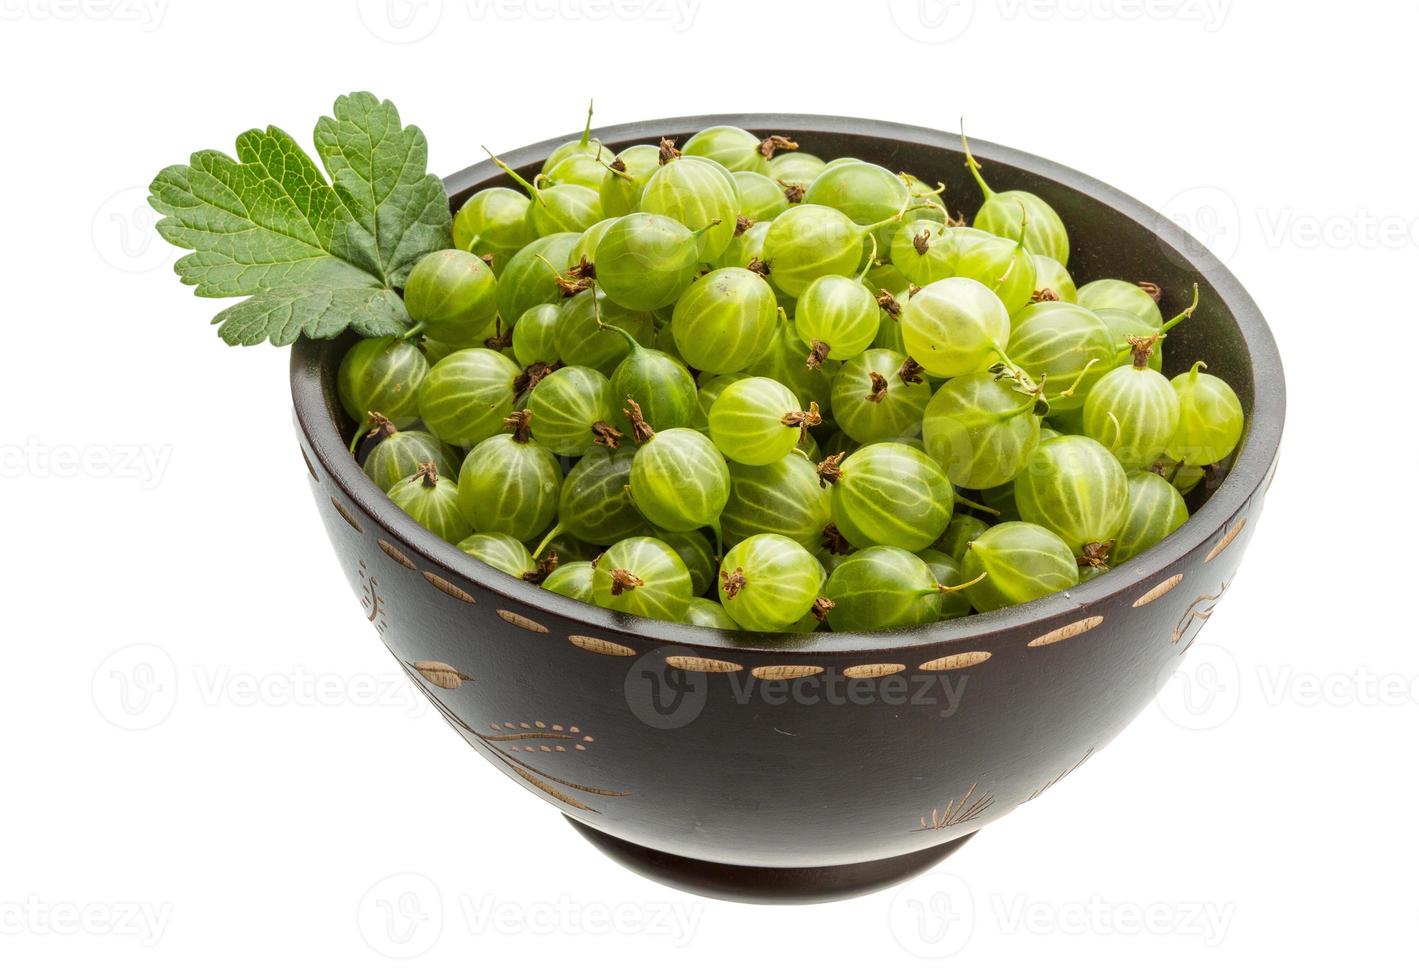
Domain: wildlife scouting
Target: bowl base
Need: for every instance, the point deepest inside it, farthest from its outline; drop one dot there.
(766, 886)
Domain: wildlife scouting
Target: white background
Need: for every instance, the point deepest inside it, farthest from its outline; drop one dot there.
(1258, 818)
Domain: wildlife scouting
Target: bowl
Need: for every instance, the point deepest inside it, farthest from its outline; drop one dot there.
(810, 767)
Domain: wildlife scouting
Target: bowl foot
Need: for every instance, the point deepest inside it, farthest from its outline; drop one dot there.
(766, 886)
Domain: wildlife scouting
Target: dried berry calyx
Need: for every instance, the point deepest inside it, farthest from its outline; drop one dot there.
(732, 582)
(623, 579)
(772, 144)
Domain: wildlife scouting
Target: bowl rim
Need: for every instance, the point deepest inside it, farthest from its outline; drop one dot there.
(311, 362)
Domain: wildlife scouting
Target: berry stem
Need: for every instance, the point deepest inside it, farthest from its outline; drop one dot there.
(527, 185)
(944, 589)
(586, 132)
(547, 539)
(1185, 314)
(973, 166)
(973, 505)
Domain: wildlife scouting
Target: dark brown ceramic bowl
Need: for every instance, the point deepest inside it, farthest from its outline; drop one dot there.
(811, 767)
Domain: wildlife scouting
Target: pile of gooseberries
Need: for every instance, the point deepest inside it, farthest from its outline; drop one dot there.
(734, 385)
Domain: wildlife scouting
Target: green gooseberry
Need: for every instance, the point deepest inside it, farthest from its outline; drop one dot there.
(697, 552)
(1074, 487)
(1019, 562)
(493, 222)
(1002, 211)
(785, 497)
(746, 246)
(1133, 410)
(785, 359)
(1052, 280)
(509, 483)
(572, 580)
(1210, 418)
(946, 570)
(452, 295)
(557, 207)
(646, 261)
(732, 147)
(795, 167)
(837, 316)
(710, 388)
(572, 411)
(724, 321)
(595, 502)
(654, 385)
(810, 241)
(1001, 264)
(625, 179)
(963, 529)
(431, 501)
(881, 588)
(768, 582)
(678, 479)
(922, 252)
(1155, 509)
(889, 493)
(981, 429)
(761, 198)
(582, 334)
(399, 452)
(382, 375)
(709, 614)
(867, 193)
(756, 421)
(642, 576)
(1124, 326)
(467, 395)
(697, 192)
(534, 336)
(583, 147)
(588, 244)
(1064, 344)
(878, 395)
(501, 551)
(531, 276)
(955, 326)
(1116, 294)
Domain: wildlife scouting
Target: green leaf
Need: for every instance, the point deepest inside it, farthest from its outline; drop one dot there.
(314, 258)
(314, 309)
(380, 173)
